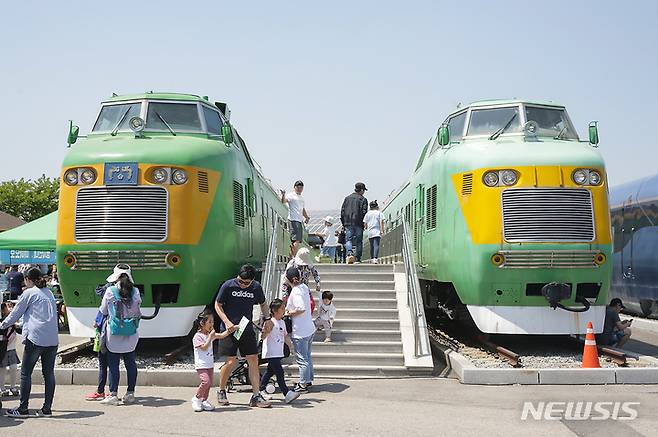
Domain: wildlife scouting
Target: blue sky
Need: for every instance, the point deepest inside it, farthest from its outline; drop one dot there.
(326, 83)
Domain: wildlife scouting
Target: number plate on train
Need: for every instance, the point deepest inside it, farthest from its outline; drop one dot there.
(120, 173)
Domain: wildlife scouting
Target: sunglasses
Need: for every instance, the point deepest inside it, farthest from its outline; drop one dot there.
(245, 282)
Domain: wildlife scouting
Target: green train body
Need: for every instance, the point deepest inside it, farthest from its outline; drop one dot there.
(163, 183)
(491, 250)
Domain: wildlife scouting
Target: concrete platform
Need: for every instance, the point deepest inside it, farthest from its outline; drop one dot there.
(398, 407)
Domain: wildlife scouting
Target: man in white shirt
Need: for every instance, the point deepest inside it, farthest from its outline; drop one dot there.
(296, 215)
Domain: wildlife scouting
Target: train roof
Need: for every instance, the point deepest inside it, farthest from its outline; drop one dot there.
(645, 188)
(158, 96)
(511, 102)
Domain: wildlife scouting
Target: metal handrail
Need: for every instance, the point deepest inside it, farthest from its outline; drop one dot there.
(269, 282)
(397, 246)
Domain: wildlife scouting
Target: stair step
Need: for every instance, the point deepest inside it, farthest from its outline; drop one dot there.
(365, 324)
(348, 276)
(358, 285)
(369, 294)
(348, 301)
(351, 268)
(350, 371)
(360, 359)
(363, 335)
(388, 347)
(368, 313)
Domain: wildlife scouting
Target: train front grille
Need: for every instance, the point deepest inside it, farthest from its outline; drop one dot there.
(548, 215)
(121, 214)
(107, 259)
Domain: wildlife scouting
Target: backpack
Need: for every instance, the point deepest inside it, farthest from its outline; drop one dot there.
(120, 321)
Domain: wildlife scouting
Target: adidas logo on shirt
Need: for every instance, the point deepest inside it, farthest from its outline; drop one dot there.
(242, 294)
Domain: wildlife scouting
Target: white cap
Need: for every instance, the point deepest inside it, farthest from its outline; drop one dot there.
(329, 219)
(119, 270)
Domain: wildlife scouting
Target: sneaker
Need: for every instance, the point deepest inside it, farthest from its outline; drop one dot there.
(207, 406)
(258, 401)
(357, 262)
(110, 400)
(222, 399)
(265, 395)
(197, 405)
(4, 393)
(301, 388)
(14, 391)
(43, 413)
(327, 340)
(375, 261)
(95, 396)
(129, 398)
(291, 396)
(317, 259)
(350, 259)
(15, 412)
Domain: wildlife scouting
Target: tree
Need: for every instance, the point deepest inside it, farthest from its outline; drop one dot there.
(28, 199)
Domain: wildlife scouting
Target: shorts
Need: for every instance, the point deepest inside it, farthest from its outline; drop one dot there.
(247, 345)
(296, 230)
(10, 359)
(610, 338)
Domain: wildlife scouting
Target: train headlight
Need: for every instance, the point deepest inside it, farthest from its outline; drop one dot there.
(594, 177)
(179, 176)
(69, 260)
(136, 124)
(490, 178)
(580, 176)
(508, 177)
(160, 176)
(88, 176)
(71, 176)
(599, 259)
(173, 259)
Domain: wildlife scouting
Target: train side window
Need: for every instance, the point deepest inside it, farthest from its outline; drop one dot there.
(456, 125)
(213, 121)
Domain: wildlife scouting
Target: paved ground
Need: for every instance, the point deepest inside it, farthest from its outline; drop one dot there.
(412, 407)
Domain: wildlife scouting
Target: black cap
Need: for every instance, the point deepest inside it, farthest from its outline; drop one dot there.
(299, 184)
(616, 301)
(360, 186)
(374, 204)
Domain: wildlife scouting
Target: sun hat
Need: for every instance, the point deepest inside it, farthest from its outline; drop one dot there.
(119, 270)
(303, 257)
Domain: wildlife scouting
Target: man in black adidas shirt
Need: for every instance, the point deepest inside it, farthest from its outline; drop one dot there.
(236, 299)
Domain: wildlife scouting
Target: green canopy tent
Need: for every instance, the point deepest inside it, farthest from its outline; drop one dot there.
(31, 243)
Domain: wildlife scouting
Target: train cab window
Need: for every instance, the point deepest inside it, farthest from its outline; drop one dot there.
(456, 125)
(213, 121)
(488, 121)
(179, 116)
(113, 115)
(551, 122)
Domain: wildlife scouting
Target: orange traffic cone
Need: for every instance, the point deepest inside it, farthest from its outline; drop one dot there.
(590, 353)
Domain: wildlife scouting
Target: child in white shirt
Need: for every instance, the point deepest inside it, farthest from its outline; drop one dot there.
(374, 223)
(273, 352)
(330, 239)
(326, 315)
(204, 361)
(10, 360)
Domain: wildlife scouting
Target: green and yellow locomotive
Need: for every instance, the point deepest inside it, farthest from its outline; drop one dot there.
(510, 217)
(164, 183)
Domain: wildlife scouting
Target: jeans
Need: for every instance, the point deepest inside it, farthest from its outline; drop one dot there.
(102, 372)
(374, 247)
(304, 361)
(329, 251)
(274, 368)
(354, 237)
(31, 354)
(131, 370)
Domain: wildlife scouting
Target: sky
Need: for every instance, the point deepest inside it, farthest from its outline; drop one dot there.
(347, 90)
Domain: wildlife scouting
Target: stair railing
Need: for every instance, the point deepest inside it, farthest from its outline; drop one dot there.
(397, 246)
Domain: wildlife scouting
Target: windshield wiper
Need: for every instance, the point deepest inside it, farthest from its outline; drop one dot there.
(116, 128)
(165, 123)
(502, 129)
(559, 136)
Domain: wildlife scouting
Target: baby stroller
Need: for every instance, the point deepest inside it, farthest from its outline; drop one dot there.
(240, 375)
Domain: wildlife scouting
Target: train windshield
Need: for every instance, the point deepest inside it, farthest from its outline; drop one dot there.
(115, 117)
(490, 121)
(551, 122)
(173, 116)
